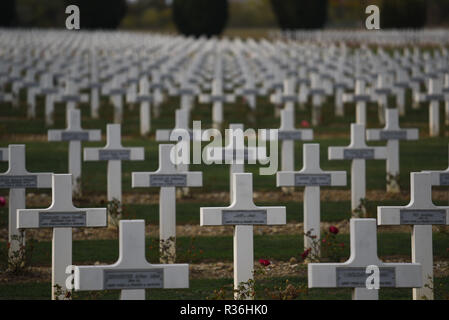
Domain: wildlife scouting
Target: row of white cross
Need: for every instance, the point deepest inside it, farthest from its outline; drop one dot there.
(289, 73)
(62, 216)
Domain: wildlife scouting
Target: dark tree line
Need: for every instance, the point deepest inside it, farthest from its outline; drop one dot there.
(96, 14)
(200, 17)
(300, 14)
(8, 13)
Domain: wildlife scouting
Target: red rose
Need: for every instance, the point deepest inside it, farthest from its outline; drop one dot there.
(264, 262)
(305, 254)
(333, 229)
(2, 201)
(305, 124)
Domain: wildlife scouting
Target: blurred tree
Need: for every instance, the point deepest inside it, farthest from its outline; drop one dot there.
(40, 14)
(251, 14)
(300, 14)
(7, 13)
(400, 14)
(200, 17)
(148, 14)
(438, 13)
(96, 14)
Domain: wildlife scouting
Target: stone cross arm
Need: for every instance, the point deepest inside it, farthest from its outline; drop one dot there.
(311, 173)
(132, 270)
(242, 206)
(358, 148)
(61, 213)
(167, 175)
(352, 273)
(420, 210)
(17, 177)
(74, 132)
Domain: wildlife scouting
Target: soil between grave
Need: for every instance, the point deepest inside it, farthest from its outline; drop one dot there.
(219, 270)
(44, 200)
(199, 231)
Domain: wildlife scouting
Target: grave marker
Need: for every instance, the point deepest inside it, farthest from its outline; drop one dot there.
(132, 273)
(167, 178)
(61, 216)
(17, 179)
(243, 214)
(421, 213)
(352, 273)
(312, 178)
(74, 134)
(114, 153)
(358, 152)
(392, 133)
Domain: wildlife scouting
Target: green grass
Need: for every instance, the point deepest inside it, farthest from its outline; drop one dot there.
(204, 289)
(425, 154)
(219, 248)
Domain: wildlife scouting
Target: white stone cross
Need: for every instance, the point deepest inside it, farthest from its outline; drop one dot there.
(167, 178)
(392, 133)
(17, 179)
(217, 98)
(312, 177)
(358, 152)
(360, 97)
(74, 134)
(353, 272)
(243, 214)
(318, 94)
(381, 93)
(61, 216)
(235, 153)
(421, 213)
(145, 99)
(434, 97)
(114, 153)
(288, 134)
(132, 273)
(50, 93)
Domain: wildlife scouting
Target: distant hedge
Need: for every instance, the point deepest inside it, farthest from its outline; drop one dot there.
(7, 13)
(95, 14)
(400, 14)
(300, 14)
(200, 17)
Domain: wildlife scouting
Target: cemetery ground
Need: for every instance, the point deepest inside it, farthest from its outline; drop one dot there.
(208, 250)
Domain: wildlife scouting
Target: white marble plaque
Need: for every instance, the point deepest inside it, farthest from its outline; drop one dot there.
(18, 182)
(114, 155)
(349, 154)
(75, 136)
(393, 135)
(244, 217)
(355, 277)
(168, 180)
(444, 179)
(62, 219)
(312, 179)
(423, 217)
(289, 135)
(133, 279)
